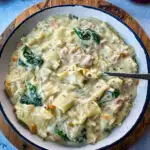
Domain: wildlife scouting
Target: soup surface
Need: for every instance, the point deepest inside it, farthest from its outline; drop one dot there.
(57, 84)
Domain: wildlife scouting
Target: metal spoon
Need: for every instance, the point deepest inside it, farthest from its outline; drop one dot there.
(144, 76)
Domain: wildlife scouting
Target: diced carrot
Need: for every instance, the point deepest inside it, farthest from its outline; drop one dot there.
(52, 107)
(7, 83)
(137, 82)
(15, 58)
(33, 128)
(106, 116)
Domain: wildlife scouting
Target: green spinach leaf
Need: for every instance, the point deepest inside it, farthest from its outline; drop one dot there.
(116, 93)
(72, 17)
(95, 36)
(31, 58)
(31, 96)
(87, 35)
(61, 134)
(21, 63)
(83, 35)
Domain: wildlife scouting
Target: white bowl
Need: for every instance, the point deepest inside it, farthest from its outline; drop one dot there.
(143, 91)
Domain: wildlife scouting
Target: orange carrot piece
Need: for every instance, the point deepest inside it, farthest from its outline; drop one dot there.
(52, 107)
(106, 116)
(7, 83)
(33, 128)
(15, 58)
(137, 82)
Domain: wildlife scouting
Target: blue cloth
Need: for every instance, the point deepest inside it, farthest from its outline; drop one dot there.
(141, 12)
(10, 9)
(5, 144)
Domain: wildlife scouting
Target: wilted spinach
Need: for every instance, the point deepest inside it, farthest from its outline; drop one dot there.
(21, 63)
(31, 96)
(95, 36)
(83, 35)
(116, 93)
(31, 58)
(87, 35)
(109, 96)
(72, 17)
(61, 134)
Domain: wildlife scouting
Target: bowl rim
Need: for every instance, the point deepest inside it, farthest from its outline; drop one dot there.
(137, 38)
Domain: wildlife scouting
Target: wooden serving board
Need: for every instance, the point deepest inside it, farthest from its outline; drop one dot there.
(142, 126)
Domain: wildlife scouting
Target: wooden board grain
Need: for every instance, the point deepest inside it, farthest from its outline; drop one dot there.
(142, 126)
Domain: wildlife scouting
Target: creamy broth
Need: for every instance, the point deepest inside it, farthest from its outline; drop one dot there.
(57, 84)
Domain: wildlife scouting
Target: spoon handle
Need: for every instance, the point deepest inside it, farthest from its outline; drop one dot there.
(130, 75)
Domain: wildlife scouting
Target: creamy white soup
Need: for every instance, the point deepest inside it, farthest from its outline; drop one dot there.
(56, 80)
